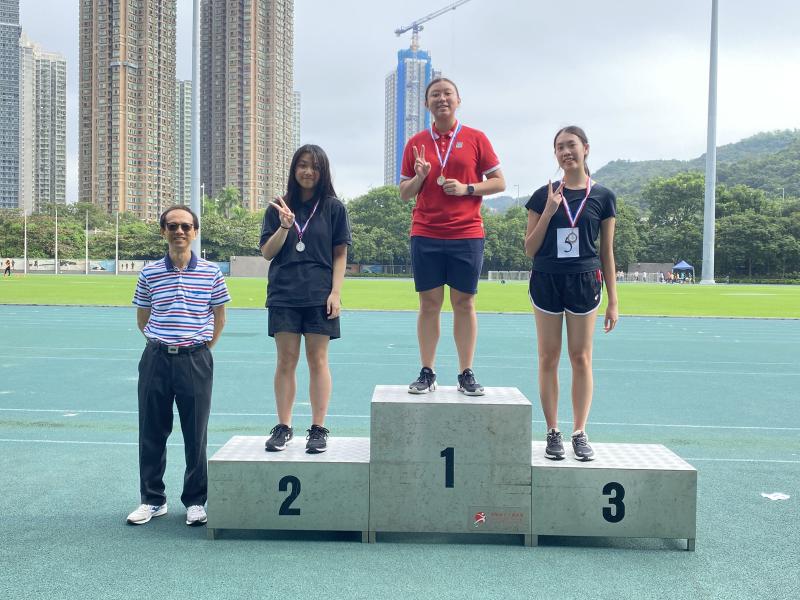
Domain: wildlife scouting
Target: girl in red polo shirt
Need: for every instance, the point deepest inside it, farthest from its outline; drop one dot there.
(564, 221)
(449, 168)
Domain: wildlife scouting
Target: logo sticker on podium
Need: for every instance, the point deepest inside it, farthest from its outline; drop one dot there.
(499, 519)
(479, 518)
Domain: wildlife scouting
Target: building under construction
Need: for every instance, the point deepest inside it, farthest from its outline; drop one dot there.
(405, 96)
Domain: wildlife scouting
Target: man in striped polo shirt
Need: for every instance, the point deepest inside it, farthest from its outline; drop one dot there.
(180, 302)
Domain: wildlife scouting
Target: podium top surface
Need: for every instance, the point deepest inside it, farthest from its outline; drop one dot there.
(645, 457)
(446, 394)
(244, 448)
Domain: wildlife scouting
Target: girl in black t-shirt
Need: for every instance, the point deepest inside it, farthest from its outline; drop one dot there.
(564, 221)
(305, 235)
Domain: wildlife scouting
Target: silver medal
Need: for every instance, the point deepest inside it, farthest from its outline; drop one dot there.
(300, 246)
(440, 180)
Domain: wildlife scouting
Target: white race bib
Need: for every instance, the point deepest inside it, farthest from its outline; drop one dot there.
(567, 242)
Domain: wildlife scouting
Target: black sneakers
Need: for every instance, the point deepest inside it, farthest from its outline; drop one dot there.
(426, 382)
(317, 439)
(581, 447)
(281, 435)
(555, 445)
(467, 384)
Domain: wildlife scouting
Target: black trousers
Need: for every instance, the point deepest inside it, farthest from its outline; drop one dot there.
(186, 379)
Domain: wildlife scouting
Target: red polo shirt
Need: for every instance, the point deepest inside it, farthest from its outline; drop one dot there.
(437, 215)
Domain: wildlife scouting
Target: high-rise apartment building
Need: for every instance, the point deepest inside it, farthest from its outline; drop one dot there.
(405, 107)
(247, 104)
(127, 105)
(9, 103)
(296, 140)
(183, 142)
(43, 127)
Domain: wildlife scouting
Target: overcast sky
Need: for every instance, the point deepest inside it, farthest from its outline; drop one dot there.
(634, 74)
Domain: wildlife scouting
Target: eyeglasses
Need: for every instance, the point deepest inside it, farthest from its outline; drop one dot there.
(185, 227)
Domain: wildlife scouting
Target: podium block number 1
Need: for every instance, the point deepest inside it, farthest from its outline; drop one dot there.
(449, 465)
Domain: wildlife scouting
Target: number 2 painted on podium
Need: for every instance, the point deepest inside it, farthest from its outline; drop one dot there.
(283, 484)
(449, 466)
(616, 501)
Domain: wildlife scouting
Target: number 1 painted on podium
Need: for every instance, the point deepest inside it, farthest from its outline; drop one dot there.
(449, 465)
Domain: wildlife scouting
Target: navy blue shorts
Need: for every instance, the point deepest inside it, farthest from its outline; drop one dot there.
(456, 263)
(302, 319)
(576, 293)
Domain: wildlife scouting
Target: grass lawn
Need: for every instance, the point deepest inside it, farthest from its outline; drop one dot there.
(392, 294)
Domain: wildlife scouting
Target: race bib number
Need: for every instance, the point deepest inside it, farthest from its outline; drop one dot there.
(567, 242)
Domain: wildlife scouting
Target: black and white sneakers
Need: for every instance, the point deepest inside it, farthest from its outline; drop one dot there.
(580, 446)
(281, 435)
(467, 384)
(426, 382)
(317, 439)
(555, 445)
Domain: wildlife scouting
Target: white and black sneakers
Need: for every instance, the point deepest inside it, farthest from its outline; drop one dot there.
(281, 435)
(467, 384)
(196, 516)
(145, 512)
(426, 382)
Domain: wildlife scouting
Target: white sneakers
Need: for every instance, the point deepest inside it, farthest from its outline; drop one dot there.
(195, 515)
(145, 512)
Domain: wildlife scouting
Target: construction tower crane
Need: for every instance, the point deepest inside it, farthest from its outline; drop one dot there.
(416, 26)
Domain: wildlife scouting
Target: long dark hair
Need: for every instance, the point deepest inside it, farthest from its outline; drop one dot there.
(324, 187)
(581, 135)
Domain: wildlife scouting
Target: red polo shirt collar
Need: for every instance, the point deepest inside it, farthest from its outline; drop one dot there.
(448, 134)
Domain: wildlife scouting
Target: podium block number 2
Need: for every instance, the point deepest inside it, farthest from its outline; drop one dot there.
(449, 465)
(290, 481)
(616, 493)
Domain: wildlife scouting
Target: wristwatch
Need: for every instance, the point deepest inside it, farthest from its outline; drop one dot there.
(470, 189)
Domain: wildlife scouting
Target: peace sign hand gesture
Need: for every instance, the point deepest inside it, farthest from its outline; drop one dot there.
(554, 199)
(286, 216)
(421, 166)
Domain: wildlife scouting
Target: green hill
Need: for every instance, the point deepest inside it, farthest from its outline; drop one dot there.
(767, 161)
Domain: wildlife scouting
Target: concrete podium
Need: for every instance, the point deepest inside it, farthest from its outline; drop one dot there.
(444, 462)
(249, 488)
(629, 490)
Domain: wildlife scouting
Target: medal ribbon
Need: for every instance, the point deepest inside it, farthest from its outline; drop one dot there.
(300, 232)
(449, 148)
(573, 220)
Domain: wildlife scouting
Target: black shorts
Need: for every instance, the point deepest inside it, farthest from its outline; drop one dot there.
(302, 319)
(436, 262)
(576, 293)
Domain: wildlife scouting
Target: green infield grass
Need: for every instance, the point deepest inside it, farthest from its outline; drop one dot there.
(398, 294)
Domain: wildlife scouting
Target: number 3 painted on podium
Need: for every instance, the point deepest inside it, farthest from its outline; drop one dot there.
(616, 501)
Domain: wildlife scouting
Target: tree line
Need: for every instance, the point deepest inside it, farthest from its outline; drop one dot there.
(756, 236)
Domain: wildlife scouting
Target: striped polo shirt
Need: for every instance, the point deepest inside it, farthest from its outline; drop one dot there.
(180, 301)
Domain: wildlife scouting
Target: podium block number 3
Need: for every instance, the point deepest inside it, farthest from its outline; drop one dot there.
(290, 481)
(449, 465)
(616, 493)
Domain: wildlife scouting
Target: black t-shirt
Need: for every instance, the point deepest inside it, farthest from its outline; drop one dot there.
(305, 278)
(601, 205)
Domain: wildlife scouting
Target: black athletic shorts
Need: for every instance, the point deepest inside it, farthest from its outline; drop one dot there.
(302, 319)
(436, 262)
(577, 293)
